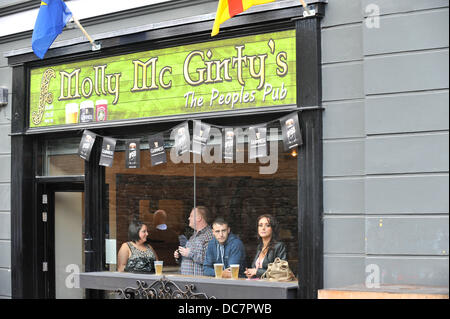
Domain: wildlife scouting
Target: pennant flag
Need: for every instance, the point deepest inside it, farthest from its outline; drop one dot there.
(51, 20)
(132, 155)
(107, 155)
(200, 136)
(258, 141)
(290, 128)
(157, 152)
(229, 143)
(229, 8)
(86, 143)
(182, 138)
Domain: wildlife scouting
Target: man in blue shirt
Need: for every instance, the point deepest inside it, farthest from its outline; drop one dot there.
(225, 248)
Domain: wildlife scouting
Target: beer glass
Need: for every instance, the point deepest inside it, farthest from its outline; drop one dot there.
(86, 111)
(71, 113)
(234, 271)
(102, 110)
(158, 267)
(218, 268)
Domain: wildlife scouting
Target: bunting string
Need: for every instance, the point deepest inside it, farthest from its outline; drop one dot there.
(180, 134)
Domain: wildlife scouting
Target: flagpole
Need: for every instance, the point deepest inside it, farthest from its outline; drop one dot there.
(95, 46)
(305, 7)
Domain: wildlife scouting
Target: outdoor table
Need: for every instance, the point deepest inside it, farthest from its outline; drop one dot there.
(182, 286)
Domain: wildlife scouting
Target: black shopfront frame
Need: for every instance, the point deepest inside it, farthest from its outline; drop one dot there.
(27, 278)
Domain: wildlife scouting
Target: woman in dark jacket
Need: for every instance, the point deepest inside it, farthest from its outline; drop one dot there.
(269, 247)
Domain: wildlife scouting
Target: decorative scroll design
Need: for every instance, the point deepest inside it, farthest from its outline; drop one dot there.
(45, 96)
(160, 289)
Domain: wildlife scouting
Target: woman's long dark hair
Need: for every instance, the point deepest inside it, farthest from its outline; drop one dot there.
(133, 230)
(274, 225)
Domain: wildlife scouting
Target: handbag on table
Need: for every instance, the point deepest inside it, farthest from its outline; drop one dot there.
(140, 265)
(278, 271)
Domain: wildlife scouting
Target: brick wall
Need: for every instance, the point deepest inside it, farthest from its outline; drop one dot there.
(236, 192)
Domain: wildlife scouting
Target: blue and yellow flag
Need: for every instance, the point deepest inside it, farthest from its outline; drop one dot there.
(51, 20)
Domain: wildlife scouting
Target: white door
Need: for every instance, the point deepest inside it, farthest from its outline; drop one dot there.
(68, 244)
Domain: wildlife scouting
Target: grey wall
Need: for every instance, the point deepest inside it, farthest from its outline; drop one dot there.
(5, 172)
(5, 178)
(386, 142)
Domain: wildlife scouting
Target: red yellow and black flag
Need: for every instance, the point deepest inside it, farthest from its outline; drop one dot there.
(229, 8)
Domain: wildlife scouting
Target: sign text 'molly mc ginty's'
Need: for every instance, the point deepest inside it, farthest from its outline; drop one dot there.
(253, 71)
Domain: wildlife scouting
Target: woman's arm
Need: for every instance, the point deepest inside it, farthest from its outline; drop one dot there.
(122, 257)
(280, 251)
(253, 271)
(250, 272)
(260, 271)
(154, 252)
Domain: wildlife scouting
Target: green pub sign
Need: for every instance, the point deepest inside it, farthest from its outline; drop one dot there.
(249, 72)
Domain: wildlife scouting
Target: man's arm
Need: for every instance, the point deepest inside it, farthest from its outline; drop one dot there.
(237, 252)
(198, 251)
(208, 267)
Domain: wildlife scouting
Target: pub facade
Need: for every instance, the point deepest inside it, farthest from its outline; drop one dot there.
(348, 191)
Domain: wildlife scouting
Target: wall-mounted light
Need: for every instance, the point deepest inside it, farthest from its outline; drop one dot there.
(294, 153)
(3, 96)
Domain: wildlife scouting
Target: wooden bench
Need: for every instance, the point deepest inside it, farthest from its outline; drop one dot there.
(384, 292)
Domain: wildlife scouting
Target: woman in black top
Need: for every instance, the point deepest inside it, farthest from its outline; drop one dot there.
(135, 255)
(269, 247)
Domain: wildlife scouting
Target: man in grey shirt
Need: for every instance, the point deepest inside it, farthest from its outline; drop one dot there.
(193, 255)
